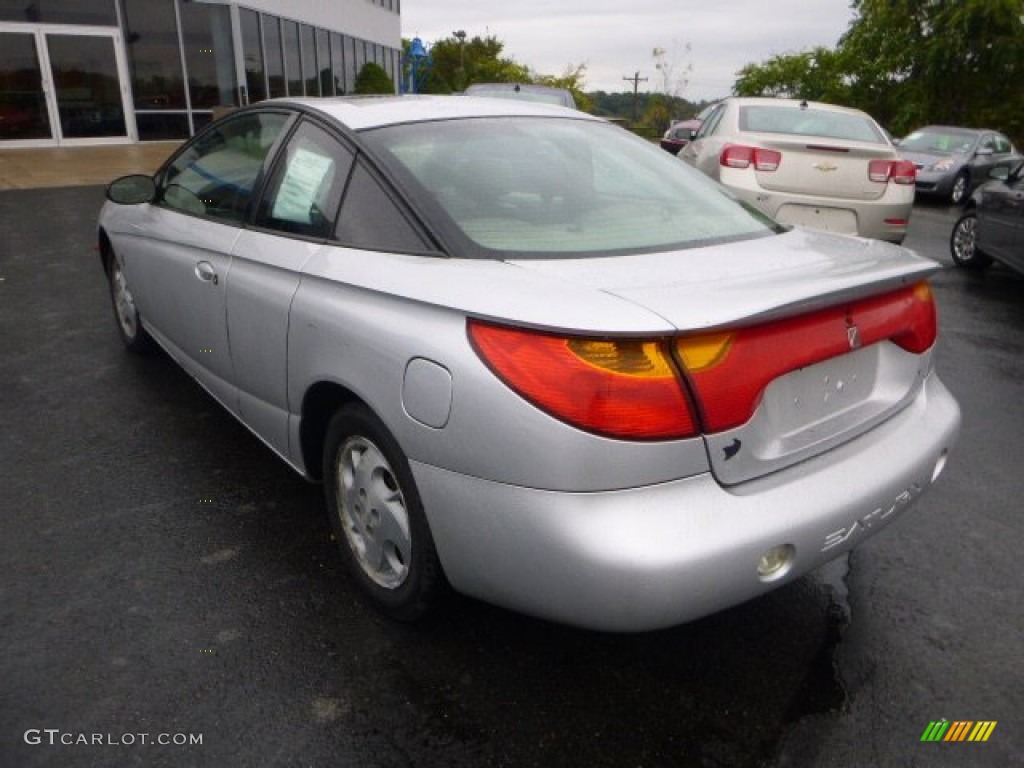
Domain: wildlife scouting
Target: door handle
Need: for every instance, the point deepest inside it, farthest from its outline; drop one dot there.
(206, 272)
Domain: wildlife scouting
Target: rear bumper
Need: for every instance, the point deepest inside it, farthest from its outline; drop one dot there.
(650, 557)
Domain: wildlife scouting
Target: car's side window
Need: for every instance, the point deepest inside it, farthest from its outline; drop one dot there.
(216, 175)
(1003, 145)
(708, 127)
(370, 219)
(305, 189)
(988, 141)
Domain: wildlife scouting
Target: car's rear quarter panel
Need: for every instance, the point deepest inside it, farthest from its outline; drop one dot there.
(361, 327)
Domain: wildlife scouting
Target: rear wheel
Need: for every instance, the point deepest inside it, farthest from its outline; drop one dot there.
(129, 324)
(378, 517)
(963, 243)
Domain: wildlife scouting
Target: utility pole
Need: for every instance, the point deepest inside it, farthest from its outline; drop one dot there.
(635, 80)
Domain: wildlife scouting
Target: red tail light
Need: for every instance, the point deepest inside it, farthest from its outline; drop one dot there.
(621, 388)
(728, 372)
(897, 171)
(740, 156)
(637, 388)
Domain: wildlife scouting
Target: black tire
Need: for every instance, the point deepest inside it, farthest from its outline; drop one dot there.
(126, 314)
(377, 516)
(961, 187)
(963, 243)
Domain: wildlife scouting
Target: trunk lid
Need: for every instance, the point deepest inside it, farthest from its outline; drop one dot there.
(825, 168)
(810, 409)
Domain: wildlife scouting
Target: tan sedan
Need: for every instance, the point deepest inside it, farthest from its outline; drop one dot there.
(808, 164)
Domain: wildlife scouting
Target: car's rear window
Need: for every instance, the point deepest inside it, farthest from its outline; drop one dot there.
(944, 141)
(810, 122)
(560, 98)
(559, 187)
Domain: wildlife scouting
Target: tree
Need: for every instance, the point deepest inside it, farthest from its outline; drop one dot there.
(815, 75)
(911, 62)
(673, 68)
(456, 62)
(573, 80)
(372, 78)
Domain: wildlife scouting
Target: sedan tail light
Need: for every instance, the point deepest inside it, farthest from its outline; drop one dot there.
(897, 171)
(641, 389)
(740, 156)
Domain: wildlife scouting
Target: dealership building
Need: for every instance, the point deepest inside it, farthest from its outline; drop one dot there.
(114, 71)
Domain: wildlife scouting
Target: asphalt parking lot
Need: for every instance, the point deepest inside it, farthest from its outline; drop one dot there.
(164, 574)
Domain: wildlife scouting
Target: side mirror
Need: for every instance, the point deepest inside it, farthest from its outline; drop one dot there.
(132, 190)
(984, 152)
(693, 133)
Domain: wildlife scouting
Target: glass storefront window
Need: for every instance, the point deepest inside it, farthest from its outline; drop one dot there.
(292, 58)
(360, 55)
(338, 64)
(23, 112)
(154, 57)
(275, 56)
(209, 54)
(309, 74)
(97, 12)
(323, 62)
(160, 126)
(252, 52)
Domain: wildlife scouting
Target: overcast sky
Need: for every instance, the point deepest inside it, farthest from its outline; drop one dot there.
(615, 38)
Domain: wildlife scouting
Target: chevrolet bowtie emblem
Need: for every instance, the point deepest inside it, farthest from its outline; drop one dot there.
(825, 167)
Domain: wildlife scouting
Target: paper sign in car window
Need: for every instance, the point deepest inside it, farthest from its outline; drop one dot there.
(301, 186)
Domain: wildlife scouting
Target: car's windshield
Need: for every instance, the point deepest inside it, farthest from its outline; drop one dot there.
(946, 141)
(543, 187)
(823, 123)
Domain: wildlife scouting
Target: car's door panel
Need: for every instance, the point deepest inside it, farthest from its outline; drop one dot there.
(180, 286)
(1001, 229)
(203, 197)
(293, 218)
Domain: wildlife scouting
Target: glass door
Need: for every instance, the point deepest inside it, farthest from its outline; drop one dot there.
(63, 85)
(86, 86)
(23, 112)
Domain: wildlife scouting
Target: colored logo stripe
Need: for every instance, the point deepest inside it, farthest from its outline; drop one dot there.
(958, 730)
(982, 731)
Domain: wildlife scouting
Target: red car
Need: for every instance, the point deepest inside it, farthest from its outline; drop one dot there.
(679, 133)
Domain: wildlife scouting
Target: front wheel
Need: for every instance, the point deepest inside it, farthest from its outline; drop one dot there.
(963, 243)
(377, 516)
(129, 325)
(960, 185)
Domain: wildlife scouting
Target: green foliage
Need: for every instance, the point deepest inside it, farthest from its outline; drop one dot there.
(455, 63)
(816, 75)
(655, 110)
(911, 62)
(572, 79)
(372, 79)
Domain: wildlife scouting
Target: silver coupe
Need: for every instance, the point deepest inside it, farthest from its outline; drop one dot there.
(532, 357)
